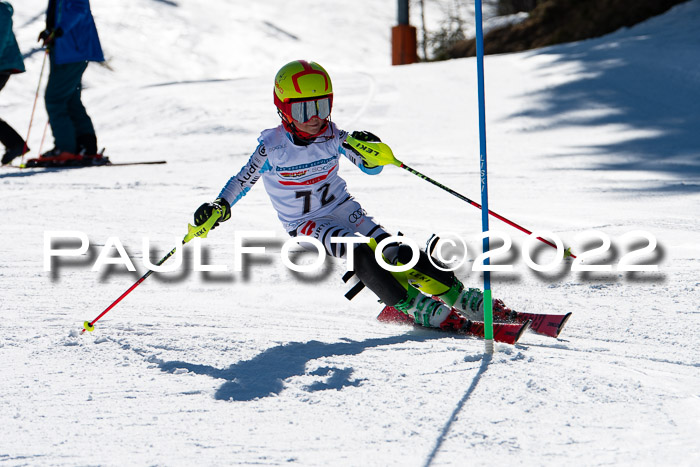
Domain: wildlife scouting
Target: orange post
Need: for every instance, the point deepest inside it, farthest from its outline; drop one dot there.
(403, 45)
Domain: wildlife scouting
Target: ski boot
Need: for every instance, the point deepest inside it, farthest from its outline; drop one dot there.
(427, 311)
(59, 158)
(470, 303)
(13, 152)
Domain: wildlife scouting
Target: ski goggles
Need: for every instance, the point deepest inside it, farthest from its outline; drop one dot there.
(303, 111)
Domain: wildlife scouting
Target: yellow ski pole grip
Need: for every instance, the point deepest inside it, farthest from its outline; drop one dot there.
(375, 153)
(201, 231)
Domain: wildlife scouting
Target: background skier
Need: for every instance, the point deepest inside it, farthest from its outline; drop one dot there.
(71, 36)
(10, 62)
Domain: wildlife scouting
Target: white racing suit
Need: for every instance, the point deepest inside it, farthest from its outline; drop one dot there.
(303, 184)
(312, 200)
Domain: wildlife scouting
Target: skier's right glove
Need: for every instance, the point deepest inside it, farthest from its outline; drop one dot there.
(204, 212)
(370, 148)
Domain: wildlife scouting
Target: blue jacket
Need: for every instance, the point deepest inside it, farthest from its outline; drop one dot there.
(79, 41)
(10, 56)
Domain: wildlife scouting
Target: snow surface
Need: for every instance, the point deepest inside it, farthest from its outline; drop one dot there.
(267, 367)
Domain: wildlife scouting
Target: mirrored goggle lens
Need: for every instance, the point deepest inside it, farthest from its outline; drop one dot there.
(303, 111)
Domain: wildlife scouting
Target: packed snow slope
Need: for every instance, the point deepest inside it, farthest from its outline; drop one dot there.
(266, 366)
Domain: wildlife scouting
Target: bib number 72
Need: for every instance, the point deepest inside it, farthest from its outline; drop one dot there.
(306, 195)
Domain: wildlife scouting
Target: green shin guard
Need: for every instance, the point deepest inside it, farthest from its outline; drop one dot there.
(450, 297)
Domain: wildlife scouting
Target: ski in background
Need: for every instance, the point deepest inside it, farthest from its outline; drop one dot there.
(76, 161)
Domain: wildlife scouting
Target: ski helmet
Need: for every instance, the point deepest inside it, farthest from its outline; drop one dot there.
(303, 90)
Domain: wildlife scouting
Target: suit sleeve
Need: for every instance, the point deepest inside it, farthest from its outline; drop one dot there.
(240, 184)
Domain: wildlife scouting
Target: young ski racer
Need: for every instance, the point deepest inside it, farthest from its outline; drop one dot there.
(298, 162)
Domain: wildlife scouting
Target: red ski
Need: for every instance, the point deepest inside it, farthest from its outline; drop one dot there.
(508, 333)
(541, 323)
(548, 325)
(105, 163)
(66, 160)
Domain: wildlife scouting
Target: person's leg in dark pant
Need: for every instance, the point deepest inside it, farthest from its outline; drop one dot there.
(84, 130)
(67, 114)
(8, 136)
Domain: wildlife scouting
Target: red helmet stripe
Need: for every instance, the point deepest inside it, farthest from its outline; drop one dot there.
(307, 71)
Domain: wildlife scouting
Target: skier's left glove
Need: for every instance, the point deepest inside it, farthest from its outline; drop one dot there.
(47, 36)
(370, 148)
(204, 212)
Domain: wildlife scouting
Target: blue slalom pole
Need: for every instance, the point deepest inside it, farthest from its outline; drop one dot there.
(488, 301)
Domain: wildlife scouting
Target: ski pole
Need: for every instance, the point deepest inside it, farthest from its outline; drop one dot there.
(43, 137)
(389, 159)
(192, 232)
(567, 252)
(36, 98)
